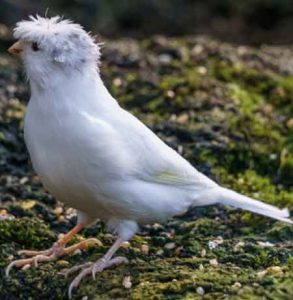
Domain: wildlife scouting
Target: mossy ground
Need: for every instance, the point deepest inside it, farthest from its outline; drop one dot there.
(228, 110)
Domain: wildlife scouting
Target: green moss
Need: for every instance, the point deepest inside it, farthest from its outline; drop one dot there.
(27, 232)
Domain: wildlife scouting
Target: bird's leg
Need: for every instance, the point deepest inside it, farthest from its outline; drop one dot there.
(91, 268)
(57, 250)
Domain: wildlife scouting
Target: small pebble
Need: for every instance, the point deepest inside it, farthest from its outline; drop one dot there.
(200, 291)
(170, 94)
(170, 246)
(242, 50)
(165, 58)
(203, 252)
(261, 273)
(290, 123)
(275, 270)
(212, 245)
(117, 82)
(62, 262)
(182, 118)
(85, 298)
(238, 246)
(58, 210)
(127, 282)
(10, 257)
(160, 252)
(236, 285)
(145, 249)
(265, 244)
(23, 180)
(197, 49)
(27, 204)
(3, 212)
(125, 245)
(157, 226)
(214, 262)
(61, 218)
(201, 267)
(70, 211)
(202, 70)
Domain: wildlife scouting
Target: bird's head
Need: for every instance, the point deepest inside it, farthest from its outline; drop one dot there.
(50, 45)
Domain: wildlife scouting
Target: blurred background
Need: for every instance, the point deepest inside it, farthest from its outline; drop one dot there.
(241, 21)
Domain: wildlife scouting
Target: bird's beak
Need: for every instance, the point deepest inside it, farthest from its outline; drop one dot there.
(16, 48)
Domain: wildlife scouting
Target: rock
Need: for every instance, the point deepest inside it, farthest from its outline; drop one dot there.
(275, 271)
(160, 252)
(265, 244)
(200, 291)
(236, 285)
(145, 249)
(214, 243)
(62, 262)
(214, 262)
(165, 58)
(238, 246)
(126, 245)
(170, 246)
(203, 252)
(127, 282)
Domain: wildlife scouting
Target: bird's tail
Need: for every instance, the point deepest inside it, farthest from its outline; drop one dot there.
(229, 197)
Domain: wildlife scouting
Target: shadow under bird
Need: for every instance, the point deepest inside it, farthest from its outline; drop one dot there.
(96, 157)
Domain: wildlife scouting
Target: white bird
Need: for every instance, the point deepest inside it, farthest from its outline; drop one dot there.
(96, 157)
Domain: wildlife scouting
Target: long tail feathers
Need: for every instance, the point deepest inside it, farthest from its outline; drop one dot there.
(229, 197)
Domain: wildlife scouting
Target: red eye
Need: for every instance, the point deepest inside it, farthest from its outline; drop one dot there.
(35, 46)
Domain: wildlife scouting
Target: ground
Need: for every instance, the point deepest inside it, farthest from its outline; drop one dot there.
(228, 110)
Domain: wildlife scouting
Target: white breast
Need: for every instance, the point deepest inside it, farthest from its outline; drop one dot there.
(71, 154)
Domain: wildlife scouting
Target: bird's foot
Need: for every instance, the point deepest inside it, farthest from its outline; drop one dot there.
(48, 255)
(91, 268)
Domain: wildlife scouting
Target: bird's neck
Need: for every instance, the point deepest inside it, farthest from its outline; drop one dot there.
(77, 88)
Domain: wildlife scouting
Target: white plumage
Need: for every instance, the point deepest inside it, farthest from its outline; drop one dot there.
(93, 155)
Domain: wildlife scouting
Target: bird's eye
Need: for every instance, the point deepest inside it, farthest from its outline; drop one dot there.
(35, 46)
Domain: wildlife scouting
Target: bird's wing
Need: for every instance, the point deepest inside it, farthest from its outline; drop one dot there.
(157, 162)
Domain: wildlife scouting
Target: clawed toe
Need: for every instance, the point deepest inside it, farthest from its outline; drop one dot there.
(92, 268)
(34, 253)
(29, 261)
(74, 269)
(76, 281)
(51, 254)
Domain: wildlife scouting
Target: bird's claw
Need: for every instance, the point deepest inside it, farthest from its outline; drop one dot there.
(99, 266)
(92, 268)
(48, 255)
(29, 261)
(74, 269)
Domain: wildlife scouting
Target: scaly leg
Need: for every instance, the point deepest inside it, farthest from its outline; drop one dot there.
(58, 249)
(93, 267)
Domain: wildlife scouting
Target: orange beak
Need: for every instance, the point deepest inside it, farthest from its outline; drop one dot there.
(16, 48)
